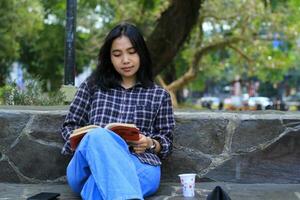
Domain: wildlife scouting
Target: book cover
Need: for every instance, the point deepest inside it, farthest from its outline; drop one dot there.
(128, 132)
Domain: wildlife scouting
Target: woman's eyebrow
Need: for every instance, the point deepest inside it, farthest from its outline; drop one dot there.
(118, 50)
(130, 48)
(115, 50)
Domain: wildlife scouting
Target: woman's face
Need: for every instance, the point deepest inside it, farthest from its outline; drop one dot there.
(125, 58)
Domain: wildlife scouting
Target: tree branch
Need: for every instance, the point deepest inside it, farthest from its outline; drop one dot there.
(161, 81)
(241, 53)
(212, 47)
(183, 80)
(218, 18)
(192, 72)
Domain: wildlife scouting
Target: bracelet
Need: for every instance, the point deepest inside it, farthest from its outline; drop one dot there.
(153, 146)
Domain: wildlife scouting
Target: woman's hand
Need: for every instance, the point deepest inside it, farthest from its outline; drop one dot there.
(141, 145)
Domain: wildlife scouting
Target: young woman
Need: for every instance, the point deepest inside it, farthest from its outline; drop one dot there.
(120, 90)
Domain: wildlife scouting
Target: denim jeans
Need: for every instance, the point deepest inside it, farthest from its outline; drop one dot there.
(103, 168)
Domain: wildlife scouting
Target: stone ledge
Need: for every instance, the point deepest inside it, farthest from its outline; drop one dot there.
(240, 147)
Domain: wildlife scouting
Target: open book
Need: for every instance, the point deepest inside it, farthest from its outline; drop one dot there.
(128, 132)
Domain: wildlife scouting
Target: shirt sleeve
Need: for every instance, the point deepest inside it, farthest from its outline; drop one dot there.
(77, 115)
(164, 125)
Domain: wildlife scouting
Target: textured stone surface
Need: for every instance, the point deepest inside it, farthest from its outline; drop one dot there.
(291, 123)
(251, 133)
(245, 147)
(183, 161)
(207, 135)
(38, 161)
(8, 174)
(278, 163)
(11, 126)
(46, 127)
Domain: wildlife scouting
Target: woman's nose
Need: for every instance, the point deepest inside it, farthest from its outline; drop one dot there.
(125, 59)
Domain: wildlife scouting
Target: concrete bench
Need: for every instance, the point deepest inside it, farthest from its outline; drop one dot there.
(167, 191)
(242, 147)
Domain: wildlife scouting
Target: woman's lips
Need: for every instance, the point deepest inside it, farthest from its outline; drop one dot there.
(126, 69)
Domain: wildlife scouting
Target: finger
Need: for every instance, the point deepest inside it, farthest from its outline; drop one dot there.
(135, 142)
(139, 149)
(140, 145)
(138, 152)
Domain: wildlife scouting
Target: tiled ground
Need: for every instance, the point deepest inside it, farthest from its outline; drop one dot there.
(167, 191)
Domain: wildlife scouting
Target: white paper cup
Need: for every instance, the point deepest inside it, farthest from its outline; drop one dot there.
(188, 184)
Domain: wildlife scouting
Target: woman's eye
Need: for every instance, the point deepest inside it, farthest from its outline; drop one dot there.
(132, 51)
(116, 55)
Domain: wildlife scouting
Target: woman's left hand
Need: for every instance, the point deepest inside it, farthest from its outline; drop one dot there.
(141, 145)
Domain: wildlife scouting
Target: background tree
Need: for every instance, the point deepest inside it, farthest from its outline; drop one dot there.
(18, 20)
(43, 55)
(192, 42)
(237, 38)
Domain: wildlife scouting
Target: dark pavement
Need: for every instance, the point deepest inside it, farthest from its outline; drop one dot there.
(167, 191)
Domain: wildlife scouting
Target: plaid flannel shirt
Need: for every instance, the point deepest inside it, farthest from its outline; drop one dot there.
(149, 109)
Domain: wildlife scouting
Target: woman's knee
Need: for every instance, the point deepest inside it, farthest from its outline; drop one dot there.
(96, 133)
(102, 135)
(96, 136)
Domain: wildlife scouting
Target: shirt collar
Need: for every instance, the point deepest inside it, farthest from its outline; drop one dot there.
(137, 84)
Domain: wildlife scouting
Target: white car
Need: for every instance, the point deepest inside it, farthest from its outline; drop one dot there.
(263, 102)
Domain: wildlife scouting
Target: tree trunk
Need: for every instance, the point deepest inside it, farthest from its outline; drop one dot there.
(173, 99)
(3, 75)
(169, 74)
(171, 31)
(2, 80)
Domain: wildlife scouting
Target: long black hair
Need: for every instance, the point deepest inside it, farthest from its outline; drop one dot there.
(105, 76)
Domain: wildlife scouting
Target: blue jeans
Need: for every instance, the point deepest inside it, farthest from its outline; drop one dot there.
(103, 168)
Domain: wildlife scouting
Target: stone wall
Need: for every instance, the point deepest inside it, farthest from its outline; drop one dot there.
(246, 147)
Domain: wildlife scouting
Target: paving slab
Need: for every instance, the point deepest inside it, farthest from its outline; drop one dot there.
(167, 191)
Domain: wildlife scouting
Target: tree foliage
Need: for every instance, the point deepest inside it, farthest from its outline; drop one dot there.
(18, 20)
(237, 37)
(250, 38)
(39, 42)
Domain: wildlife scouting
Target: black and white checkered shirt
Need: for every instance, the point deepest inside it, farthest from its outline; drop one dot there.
(149, 109)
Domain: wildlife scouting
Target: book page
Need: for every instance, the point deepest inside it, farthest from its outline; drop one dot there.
(111, 125)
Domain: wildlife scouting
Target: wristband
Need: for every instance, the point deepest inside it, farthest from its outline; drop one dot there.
(153, 146)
